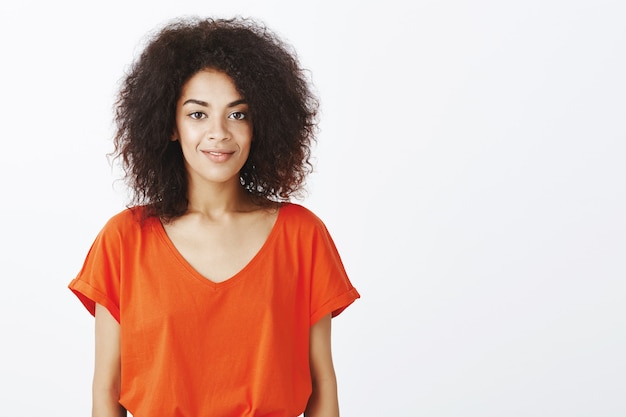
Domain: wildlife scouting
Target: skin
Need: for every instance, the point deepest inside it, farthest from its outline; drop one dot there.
(219, 234)
(324, 401)
(215, 133)
(106, 377)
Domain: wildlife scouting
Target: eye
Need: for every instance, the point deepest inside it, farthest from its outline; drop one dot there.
(238, 115)
(197, 115)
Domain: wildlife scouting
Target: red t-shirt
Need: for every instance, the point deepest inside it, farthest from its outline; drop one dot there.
(191, 347)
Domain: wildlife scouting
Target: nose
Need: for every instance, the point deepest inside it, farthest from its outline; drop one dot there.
(217, 129)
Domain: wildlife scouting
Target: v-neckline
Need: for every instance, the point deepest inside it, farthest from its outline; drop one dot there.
(237, 276)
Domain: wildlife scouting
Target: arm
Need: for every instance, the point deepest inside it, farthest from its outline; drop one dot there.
(323, 401)
(106, 378)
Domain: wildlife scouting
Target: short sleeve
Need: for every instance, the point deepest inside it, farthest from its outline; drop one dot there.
(99, 279)
(331, 290)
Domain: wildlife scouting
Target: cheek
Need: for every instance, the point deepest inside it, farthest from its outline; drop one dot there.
(245, 133)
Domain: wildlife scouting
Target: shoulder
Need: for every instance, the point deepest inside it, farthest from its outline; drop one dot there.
(127, 221)
(301, 220)
(297, 214)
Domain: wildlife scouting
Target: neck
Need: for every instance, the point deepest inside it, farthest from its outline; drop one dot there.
(217, 200)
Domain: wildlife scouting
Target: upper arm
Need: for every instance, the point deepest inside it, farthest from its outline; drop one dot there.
(107, 339)
(323, 401)
(107, 369)
(320, 349)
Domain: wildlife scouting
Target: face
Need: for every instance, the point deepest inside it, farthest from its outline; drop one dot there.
(214, 128)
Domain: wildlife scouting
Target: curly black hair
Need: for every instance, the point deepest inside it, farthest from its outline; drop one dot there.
(265, 70)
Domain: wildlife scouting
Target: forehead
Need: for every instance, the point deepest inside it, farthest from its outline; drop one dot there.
(210, 84)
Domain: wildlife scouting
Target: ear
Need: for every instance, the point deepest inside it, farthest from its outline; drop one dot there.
(174, 136)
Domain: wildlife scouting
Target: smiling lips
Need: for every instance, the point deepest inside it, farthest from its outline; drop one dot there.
(218, 156)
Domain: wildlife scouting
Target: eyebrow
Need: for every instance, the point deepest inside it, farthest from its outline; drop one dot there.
(205, 104)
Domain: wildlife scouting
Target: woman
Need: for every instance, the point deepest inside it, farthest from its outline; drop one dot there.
(213, 293)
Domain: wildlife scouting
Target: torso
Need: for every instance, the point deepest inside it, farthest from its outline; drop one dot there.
(219, 249)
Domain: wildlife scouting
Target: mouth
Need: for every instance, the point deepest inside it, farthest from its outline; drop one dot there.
(218, 156)
(218, 153)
